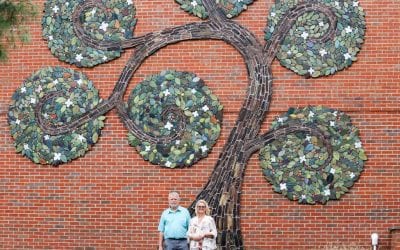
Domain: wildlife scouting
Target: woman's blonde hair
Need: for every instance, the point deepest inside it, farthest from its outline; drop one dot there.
(207, 212)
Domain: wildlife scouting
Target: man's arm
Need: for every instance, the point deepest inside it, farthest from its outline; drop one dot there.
(160, 241)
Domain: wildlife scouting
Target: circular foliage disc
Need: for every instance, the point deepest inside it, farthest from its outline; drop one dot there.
(79, 95)
(306, 57)
(201, 110)
(294, 164)
(231, 8)
(113, 23)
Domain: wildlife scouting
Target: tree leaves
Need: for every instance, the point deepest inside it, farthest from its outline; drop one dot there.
(116, 25)
(305, 57)
(80, 96)
(200, 108)
(292, 164)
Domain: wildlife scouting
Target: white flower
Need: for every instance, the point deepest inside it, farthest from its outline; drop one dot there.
(335, 113)
(302, 158)
(352, 175)
(130, 2)
(26, 147)
(283, 186)
(323, 52)
(178, 142)
(67, 3)
(51, 38)
(195, 114)
(56, 9)
(104, 26)
(358, 144)
(79, 57)
(46, 115)
(23, 90)
(93, 11)
(273, 14)
(104, 58)
(321, 24)
(332, 171)
(327, 192)
(311, 71)
(38, 89)
(168, 164)
(55, 81)
(347, 56)
(273, 159)
(168, 126)
(332, 123)
(308, 138)
(69, 103)
(205, 108)
(280, 119)
(196, 79)
(311, 114)
(194, 3)
(289, 52)
(166, 92)
(336, 3)
(204, 148)
(57, 156)
(123, 30)
(304, 35)
(348, 29)
(355, 4)
(33, 100)
(147, 148)
(46, 137)
(303, 197)
(18, 121)
(81, 138)
(193, 91)
(79, 82)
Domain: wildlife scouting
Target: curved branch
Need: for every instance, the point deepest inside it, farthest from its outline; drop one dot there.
(289, 19)
(138, 132)
(52, 129)
(259, 142)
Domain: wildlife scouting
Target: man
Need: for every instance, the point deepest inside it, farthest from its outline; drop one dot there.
(173, 226)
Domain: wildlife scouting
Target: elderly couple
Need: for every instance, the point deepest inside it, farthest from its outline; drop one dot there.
(179, 232)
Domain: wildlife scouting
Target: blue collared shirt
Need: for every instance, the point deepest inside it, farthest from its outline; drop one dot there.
(174, 224)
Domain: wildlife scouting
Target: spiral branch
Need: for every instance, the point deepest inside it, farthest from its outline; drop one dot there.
(259, 142)
(290, 18)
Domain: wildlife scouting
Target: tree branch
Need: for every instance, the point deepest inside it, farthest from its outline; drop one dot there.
(259, 142)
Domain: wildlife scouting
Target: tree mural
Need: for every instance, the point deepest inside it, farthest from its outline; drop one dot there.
(310, 155)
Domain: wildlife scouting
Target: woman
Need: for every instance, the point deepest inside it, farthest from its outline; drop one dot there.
(202, 232)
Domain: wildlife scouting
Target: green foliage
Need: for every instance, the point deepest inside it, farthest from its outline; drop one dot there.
(101, 25)
(202, 114)
(314, 59)
(79, 96)
(294, 164)
(12, 15)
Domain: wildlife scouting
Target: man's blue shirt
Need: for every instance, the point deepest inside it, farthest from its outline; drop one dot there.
(174, 224)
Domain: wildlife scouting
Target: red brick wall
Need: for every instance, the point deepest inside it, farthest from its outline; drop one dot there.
(112, 199)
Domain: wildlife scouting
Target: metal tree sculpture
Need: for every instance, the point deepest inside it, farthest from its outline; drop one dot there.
(224, 186)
